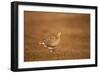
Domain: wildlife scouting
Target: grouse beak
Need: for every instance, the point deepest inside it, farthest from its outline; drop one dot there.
(59, 34)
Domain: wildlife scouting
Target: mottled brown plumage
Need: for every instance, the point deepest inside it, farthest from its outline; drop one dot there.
(52, 41)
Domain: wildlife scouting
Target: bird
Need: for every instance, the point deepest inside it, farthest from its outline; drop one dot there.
(52, 41)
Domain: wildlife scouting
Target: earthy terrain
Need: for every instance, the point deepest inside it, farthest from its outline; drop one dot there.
(75, 38)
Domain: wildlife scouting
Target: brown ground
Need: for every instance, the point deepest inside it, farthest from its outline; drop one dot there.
(75, 28)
